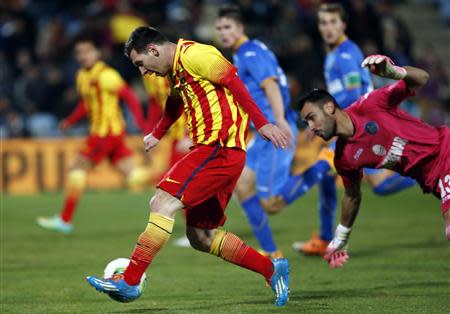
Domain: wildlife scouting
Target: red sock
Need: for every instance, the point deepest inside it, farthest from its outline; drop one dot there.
(70, 205)
(232, 249)
(147, 247)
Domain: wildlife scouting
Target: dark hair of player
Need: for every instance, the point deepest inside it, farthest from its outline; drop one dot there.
(318, 97)
(232, 12)
(141, 37)
(334, 8)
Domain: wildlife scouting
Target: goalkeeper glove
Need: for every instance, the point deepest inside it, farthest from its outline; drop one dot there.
(384, 67)
(336, 253)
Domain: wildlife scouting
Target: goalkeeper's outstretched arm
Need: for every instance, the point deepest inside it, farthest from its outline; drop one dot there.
(350, 205)
(383, 66)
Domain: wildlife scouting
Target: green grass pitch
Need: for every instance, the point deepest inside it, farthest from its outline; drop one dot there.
(399, 260)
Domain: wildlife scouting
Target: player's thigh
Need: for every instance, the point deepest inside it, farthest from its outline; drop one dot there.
(245, 186)
(165, 204)
(253, 148)
(272, 170)
(125, 165)
(81, 162)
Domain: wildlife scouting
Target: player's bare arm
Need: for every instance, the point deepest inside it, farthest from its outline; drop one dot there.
(350, 205)
(336, 253)
(383, 66)
(273, 94)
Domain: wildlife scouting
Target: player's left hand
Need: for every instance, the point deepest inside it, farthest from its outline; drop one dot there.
(150, 141)
(274, 134)
(336, 254)
(384, 67)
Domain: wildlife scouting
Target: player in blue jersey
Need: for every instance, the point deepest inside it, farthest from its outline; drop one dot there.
(267, 168)
(346, 80)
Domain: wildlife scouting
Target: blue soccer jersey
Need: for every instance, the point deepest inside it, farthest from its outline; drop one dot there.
(256, 63)
(345, 78)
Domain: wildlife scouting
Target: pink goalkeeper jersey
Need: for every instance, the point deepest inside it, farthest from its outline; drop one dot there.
(387, 137)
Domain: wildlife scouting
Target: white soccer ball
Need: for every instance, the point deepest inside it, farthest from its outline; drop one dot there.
(117, 267)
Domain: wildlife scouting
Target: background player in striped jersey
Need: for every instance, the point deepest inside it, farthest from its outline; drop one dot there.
(267, 168)
(217, 107)
(374, 132)
(100, 88)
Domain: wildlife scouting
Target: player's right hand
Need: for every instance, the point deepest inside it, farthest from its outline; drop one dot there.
(384, 67)
(274, 134)
(150, 141)
(336, 252)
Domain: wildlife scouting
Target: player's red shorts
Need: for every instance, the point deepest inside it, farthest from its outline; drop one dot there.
(204, 181)
(443, 168)
(112, 147)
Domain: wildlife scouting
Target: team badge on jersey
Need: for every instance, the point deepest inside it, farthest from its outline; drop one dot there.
(371, 127)
(378, 150)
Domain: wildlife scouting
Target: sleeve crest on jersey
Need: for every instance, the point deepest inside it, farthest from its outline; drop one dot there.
(346, 55)
(352, 80)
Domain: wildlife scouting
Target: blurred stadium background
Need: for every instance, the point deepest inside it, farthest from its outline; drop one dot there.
(37, 90)
(37, 66)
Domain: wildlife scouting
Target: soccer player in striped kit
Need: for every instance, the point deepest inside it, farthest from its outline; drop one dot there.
(100, 88)
(217, 107)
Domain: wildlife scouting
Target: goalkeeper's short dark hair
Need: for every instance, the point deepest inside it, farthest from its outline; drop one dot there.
(318, 97)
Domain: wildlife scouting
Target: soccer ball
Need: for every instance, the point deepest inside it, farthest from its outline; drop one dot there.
(117, 267)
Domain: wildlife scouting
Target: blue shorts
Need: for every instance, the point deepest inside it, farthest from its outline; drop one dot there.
(271, 165)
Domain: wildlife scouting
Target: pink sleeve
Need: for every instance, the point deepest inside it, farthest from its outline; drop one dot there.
(392, 95)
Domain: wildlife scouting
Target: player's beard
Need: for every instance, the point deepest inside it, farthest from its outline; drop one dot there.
(330, 131)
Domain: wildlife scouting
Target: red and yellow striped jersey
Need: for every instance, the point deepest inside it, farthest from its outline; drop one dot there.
(158, 89)
(98, 88)
(212, 113)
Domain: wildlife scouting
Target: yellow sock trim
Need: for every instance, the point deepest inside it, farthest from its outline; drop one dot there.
(162, 222)
(217, 243)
